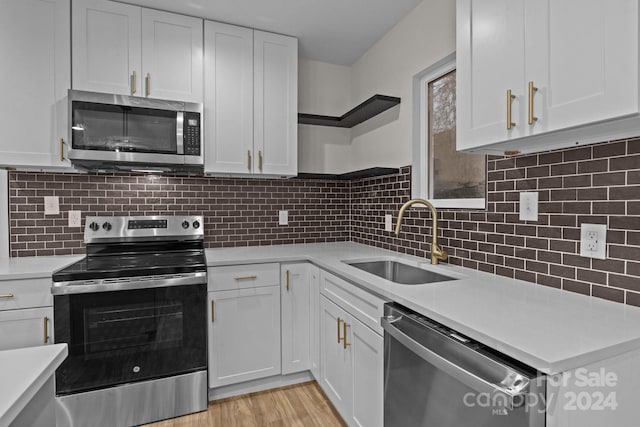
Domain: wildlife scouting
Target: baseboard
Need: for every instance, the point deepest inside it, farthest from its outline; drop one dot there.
(259, 385)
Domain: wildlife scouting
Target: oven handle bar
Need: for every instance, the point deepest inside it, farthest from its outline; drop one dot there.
(470, 379)
(142, 282)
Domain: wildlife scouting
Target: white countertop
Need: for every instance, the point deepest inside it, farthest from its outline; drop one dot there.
(33, 267)
(22, 373)
(546, 328)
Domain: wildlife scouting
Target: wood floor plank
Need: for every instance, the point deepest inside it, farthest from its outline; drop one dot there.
(300, 405)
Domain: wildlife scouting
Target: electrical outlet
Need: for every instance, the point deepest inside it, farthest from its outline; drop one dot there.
(388, 222)
(51, 205)
(593, 241)
(529, 206)
(283, 217)
(75, 218)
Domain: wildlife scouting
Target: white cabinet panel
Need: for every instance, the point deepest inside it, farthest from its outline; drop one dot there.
(275, 104)
(314, 321)
(244, 335)
(106, 47)
(295, 292)
(335, 371)
(35, 77)
(172, 51)
(25, 293)
(367, 348)
(228, 105)
(26, 328)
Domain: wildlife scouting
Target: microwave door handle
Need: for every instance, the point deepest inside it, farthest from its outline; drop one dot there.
(180, 132)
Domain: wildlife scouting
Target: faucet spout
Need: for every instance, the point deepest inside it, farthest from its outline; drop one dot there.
(437, 253)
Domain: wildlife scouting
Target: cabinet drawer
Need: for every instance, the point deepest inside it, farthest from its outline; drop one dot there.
(361, 304)
(243, 276)
(26, 328)
(25, 293)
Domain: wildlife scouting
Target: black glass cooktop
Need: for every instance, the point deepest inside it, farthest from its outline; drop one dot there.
(131, 261)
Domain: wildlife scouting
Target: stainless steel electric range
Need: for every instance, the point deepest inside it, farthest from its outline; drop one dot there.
(133, 313)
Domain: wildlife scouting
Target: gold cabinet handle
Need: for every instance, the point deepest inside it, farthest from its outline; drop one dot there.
(147, 82)
(510, 99)
(46, 329)
(339, 339)
(532, 91)
(62, 158)
(260, 160)
(288, 276)
(249, 160)
(213, 310)
(6, 296)
(344, 338)
(246, 277)
(134, 83)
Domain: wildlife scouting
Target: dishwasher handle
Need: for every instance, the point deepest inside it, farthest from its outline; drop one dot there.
(473, 381)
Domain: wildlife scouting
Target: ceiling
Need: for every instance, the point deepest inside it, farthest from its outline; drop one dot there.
(334, 31)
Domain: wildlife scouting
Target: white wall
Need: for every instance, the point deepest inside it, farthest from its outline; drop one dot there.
(323, 89)
(424, 36)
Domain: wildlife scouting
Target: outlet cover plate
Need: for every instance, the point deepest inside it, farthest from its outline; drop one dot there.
(283, 217)
(75, 218)
(388, 222)
(51, 205)
(593, 241)
(528, 206)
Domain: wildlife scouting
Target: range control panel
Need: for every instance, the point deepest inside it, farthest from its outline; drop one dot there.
(132, 228)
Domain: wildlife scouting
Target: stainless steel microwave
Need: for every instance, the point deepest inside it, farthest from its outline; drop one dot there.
(128, 133)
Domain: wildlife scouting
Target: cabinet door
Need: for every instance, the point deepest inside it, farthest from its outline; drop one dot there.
(583, 58)
(335, 360)
(244, 335)
(295, 299)
(490, 61)
(35, 77)
(367, 349)
(26, 328)
(314, 321)
(228, 105)
(275, 141)
(106, 47)
(172, 56)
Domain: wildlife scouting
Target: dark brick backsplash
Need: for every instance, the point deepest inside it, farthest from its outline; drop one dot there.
(595, 184)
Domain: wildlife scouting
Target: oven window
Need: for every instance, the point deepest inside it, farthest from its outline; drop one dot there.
(124, 129)
(127, 336)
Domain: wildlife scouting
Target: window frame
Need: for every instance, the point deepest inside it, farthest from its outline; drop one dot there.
(420, 173)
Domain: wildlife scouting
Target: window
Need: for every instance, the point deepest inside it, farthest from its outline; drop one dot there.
(448, 178)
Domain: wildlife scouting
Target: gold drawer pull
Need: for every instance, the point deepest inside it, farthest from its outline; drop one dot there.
(260, 160)
(213, 316)
(344, 339)
(532, 90)
(249, 160)
(6, 296)
(246, 277)
(339, 339)
(288, 280)
(510, 99)
(134, 83)
(62, 158)
(46, 329)
(148, 84)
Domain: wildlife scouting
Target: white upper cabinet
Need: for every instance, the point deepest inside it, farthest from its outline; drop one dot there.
(251, 102)
(34, 79)
(571, 66)
(128, 50)
(228, 105)
(275, 130)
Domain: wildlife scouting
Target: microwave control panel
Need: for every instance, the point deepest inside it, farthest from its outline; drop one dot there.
(192, 134)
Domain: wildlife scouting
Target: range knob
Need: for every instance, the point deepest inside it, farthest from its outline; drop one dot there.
(185, 224)
(106, 226)
(94, 226)
(196, 224)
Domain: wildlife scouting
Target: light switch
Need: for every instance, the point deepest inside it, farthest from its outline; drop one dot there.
(529, 206)
(51, 205)
(388, 222)
(75, 218)
(283, 217)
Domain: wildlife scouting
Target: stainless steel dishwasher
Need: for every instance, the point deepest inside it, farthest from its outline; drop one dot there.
(436, 377)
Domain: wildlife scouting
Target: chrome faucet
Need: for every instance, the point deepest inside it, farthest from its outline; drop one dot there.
(437, 253)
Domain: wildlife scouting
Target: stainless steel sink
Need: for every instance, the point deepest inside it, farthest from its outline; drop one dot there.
(399, 272)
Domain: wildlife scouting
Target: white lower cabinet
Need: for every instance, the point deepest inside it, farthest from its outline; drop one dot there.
(26, 328)
(295, 300)
(244, 335)
(351, 365)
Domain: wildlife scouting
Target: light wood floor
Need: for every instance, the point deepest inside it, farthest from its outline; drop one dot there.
(301, 405)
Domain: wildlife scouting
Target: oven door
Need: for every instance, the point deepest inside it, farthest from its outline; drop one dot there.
(130, 335)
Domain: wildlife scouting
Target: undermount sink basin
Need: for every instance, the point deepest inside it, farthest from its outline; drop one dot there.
(399, 272)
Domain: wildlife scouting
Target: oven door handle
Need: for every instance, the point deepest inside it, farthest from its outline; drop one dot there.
(511, 398)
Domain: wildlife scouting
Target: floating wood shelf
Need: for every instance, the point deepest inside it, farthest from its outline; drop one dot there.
(364, 173)
(363, 112)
